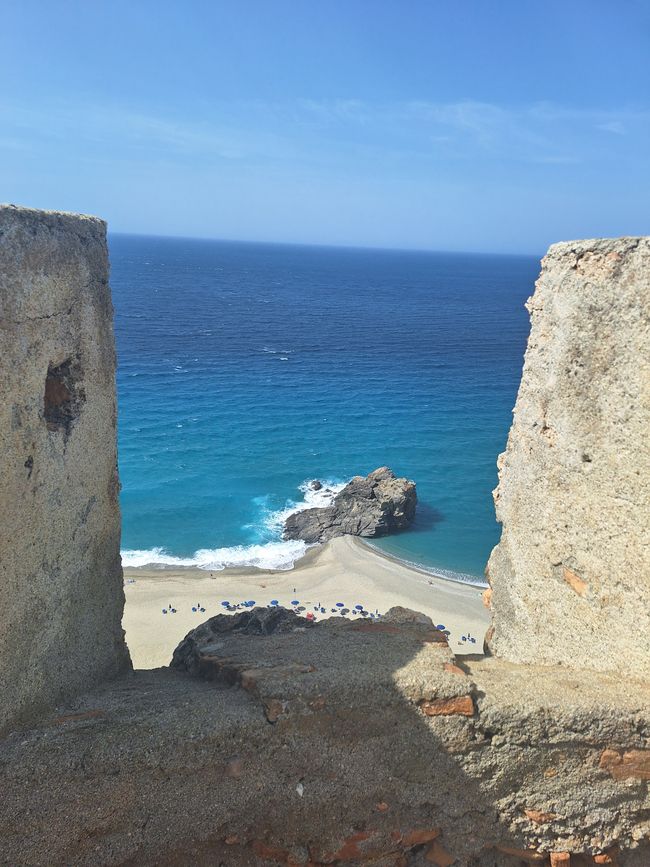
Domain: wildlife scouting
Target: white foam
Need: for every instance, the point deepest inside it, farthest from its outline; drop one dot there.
(274, 521)
(275, 554)
(272, 555)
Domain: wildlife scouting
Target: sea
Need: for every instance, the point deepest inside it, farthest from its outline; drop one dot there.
(246, 370)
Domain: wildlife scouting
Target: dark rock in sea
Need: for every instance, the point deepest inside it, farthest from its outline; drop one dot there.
(316, 485)
(376, 505)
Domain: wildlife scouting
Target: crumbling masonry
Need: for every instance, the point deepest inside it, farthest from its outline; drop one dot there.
(340, 743)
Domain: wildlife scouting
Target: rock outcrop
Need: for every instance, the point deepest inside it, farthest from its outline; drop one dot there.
(374, 505)
(571, 575)
(61, 593)
(201, 643)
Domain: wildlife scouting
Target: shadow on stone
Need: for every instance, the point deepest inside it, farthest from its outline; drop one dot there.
(341, 743)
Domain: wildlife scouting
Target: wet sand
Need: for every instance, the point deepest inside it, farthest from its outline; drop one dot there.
(343, 570)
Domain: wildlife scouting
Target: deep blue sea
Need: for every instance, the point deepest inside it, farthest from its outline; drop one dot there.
(245, 370)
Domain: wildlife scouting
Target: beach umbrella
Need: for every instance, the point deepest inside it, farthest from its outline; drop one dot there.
(340, 605)
(274, 602)
(164, 611)
(440, 626)
(358, 607)
(225, 604)
(295, 601)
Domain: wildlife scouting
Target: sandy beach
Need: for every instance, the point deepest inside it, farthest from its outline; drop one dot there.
(343, 570)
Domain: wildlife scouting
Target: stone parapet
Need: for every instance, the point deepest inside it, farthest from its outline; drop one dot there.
(316, 747)
(570, 577)
(61, 594)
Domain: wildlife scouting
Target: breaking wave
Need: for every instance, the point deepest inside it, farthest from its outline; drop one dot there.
(275, 554)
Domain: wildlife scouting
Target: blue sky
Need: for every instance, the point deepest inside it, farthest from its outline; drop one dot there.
(470, 125)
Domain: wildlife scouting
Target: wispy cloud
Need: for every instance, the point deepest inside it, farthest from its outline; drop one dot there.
(541, 132)
(615, 126)
(311, 131)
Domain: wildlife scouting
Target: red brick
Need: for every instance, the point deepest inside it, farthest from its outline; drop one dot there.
(461, 705)
(622, 766)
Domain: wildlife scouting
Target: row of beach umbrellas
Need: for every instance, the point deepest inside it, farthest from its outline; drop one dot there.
(338, 608)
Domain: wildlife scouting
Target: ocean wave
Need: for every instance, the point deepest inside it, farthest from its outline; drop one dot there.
(272, 555)
(311, 499)
(272, 351)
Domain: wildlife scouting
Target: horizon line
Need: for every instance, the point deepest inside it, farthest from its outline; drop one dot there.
(309, 244)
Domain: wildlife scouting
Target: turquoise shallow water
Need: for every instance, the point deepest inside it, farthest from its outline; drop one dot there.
(246, 369)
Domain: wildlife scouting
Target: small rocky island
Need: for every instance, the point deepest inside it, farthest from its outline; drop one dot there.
(374, 505)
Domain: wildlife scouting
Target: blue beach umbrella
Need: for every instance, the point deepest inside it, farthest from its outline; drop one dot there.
(295, 601)
(340, 605)
(440, 626)
(274, 602)
(358, 607)
(164, 611)
(225, 604)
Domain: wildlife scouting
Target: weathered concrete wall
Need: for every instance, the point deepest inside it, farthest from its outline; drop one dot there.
(343, 743)
(61, 595)
(571, 575)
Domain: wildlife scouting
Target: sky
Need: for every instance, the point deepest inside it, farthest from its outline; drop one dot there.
(497, 126)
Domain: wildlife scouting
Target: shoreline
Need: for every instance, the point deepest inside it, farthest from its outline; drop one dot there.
(343, 570)
(312, 551)
(432, 571)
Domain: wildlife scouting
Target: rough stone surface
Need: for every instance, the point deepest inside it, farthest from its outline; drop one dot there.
(61, 595)
(374, 505)
(315, 747)
(571, 575)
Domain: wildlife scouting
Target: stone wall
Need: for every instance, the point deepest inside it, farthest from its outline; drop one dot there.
(344, 743)
(61, 595)
(570, 577)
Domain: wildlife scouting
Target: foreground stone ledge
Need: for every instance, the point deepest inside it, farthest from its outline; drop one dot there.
(320, 753)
